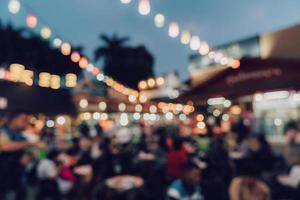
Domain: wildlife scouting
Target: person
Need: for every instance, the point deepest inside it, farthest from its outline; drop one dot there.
(12, 149)
(176, 158)
(248, 186)
(188, 186)
(47, 172)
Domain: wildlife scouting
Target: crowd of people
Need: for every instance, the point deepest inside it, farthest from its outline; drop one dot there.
(159, 163)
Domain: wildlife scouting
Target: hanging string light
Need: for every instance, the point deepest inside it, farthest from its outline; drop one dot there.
(144, 7)
(185, 37)
(31, 21)
(159, 20)
(46, 32)
(125, 1)
(14, 6)
(173, 30)
(195, 43)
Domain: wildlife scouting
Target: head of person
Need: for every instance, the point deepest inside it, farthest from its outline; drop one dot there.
(191, 174)
(53, 155)
(18, 120)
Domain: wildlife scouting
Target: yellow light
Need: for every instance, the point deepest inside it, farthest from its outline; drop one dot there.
(83, 62)
(200, 117)
(71, 80)
(75, 57)
(142, 85)
(195, 43)
(110, 82)
(66, 49)
(144, 7)
(31, 21)
(87, 116)
(235, 110)
(46, 32)
(44, 79)
(204, 48)
(61, 120)
(14, 6)
(16, 71)
(55, 82)
(27, 77)
(173, 30)
(185, 37)
(143, 98)
(151, 82)
(159, 20)
(160, 81)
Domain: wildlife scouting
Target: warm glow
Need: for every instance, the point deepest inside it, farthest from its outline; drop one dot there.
(138, 108)
(31, 21)
(66, 49)
(46, 32)
(14, 6)
(44, 79)
(235, 110)
(235, 64)
(160, 81)
(200, 117)
(153, 109)
(71, 80)
(159, 20)
(185, 37)
(143, 98)
(83, 62)
(144, 7)
(27, 77)
(55, 82)
(16, 71)
(100, 77)
(173, 30)
(195, 43)
(75, 56)
(122, 107)
(201, 125)
(57, 42)
(132, 98)
(142, 85)
(151, 82)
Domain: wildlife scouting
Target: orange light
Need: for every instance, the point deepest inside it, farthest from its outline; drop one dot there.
(66, 49)
(96, 71)
(83, 62)
(31, 21)
(236, 64)
(160, 81)
(142, 85)
(151, 82)
(200, 117)
(75, 57)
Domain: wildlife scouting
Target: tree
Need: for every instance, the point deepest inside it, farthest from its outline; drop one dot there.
(128, 65)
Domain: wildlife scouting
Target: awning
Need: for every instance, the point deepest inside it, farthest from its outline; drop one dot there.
(254, 75)
(35, 99)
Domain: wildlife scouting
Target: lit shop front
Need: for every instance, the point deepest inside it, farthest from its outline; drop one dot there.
(265, 90)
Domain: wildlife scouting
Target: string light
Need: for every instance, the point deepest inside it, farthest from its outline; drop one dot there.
(83, 62)
(83, 103)
(54, 82)
(173, 30)
(102, 106)
(185, 37)
(195, 43)
(57, 42)
(75, 56)
(125, 1)
(204, 48)
(14, 6)
(144, 7)
(71, 80)
(159, 20)
(31, 21)
(65, 48)
(46, 32)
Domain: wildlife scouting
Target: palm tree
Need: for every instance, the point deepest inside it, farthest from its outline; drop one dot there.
(127, 65)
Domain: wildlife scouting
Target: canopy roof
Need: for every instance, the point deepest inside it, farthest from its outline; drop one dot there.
(254, 75)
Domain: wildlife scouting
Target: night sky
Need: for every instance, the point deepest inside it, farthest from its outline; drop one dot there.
(217, 21)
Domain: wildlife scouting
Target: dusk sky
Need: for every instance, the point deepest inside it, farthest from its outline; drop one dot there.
(217, 21)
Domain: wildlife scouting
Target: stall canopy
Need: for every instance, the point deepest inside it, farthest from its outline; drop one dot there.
(254, 75)
(35, 99)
